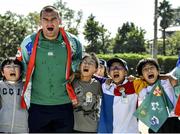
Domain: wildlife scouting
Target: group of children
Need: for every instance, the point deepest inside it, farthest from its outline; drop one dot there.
(120, 96)
(107, 97)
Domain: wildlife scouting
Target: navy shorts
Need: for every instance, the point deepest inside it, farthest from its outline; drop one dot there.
(51, 119)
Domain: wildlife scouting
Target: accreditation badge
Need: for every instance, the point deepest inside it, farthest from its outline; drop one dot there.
(89, 97)
(124, 98)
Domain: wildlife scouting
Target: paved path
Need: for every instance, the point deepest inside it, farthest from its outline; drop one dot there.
(143, 128)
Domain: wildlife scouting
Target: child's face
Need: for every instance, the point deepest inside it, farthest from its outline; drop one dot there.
(150, 73)
(88, 67)
(101, 70)
(117, 72)
(11, 72)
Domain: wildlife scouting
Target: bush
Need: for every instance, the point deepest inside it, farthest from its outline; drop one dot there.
(167, 63)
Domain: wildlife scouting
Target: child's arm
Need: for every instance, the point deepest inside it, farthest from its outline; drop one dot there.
(100, 79)
(139, 84)
(173, 80)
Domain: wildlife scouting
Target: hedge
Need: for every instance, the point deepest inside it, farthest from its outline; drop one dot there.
(167, 63)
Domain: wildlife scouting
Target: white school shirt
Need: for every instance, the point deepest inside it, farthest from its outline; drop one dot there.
(123, 119)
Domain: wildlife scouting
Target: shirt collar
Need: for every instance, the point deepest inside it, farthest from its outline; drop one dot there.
(124, 82)
(59, 38)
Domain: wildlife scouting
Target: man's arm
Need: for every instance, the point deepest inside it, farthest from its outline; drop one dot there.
(24, 52)
(77, 51)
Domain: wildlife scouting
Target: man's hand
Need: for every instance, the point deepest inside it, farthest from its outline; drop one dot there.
(74, 102)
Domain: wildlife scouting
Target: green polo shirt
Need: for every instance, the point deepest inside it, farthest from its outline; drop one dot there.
(49, 76)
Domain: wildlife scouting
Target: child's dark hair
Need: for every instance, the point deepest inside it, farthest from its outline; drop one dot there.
(104, 63)
(9, 61)
(92, 56)
(143, 62)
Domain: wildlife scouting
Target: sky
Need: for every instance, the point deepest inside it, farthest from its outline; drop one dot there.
(111, 13)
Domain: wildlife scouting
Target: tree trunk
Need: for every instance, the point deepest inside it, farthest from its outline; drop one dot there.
(154, 46)
(164, 42)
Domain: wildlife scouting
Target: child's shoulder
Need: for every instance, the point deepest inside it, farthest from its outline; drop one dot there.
(2, 84)
(139, 84)
(1, 81)
(93, 80)
(165, 82)
(100, 79)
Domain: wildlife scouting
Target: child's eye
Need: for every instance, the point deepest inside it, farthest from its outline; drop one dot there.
(116, 68)
(148, 69)
(11, 66)
(88, 62)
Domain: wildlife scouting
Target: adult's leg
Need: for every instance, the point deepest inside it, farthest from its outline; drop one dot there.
(176, 125)
(63, 121)
(39, 119)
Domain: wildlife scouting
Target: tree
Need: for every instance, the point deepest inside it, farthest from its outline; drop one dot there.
(97, 36)
(105, 40)
(176, 19)
(32, 21)
(129, 38)
(91, 34)
(166, 13)
(12, 33)
(174, 43)
(70, 19)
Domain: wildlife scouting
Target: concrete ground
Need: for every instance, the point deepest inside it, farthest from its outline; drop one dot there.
(143, 128)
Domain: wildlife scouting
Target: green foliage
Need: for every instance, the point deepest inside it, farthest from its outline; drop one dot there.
(167, 14)
(176, 19)
(105, 41)
(97, 36)
(32, 21)
(70, 19)
(12, 33)
(167, 63)
(91, 30)
(129, 39)
(174, 44)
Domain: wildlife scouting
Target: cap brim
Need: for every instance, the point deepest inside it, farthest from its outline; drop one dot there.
(122, 62)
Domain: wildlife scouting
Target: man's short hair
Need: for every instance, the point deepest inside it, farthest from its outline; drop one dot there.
(49, 8)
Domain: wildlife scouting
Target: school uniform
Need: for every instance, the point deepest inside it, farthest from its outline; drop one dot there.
(169, 124)
(117, 109)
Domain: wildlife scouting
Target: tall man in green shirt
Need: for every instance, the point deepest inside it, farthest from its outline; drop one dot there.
(49, 56)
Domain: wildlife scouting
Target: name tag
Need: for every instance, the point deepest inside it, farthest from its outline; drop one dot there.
(124, 99)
